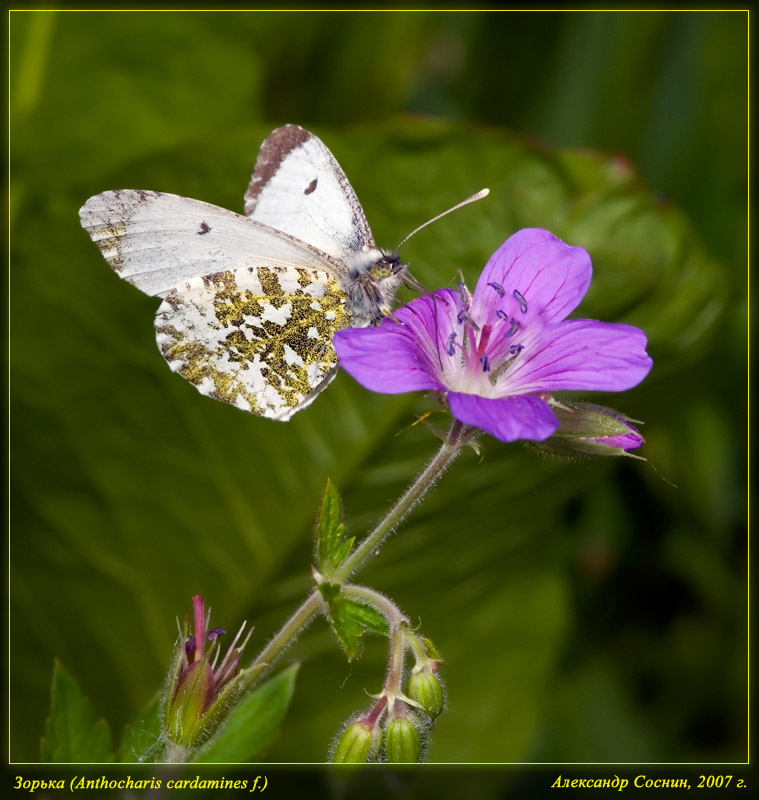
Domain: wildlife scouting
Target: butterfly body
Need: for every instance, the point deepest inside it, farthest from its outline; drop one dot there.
(250, 302)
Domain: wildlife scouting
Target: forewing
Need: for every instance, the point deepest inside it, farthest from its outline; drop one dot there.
(159, 241)
(258, 338)
(299, 188)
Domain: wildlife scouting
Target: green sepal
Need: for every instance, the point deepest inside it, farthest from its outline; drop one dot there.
(332, 546)
(431, 650)
(424, 687)
(173, 674)
(350, 618)
(142, 738)
(402, 745)
(72, 734)
(186, 720)
(253, 724)
(358, 744)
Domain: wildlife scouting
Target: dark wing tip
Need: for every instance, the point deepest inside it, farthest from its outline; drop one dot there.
(274, 150)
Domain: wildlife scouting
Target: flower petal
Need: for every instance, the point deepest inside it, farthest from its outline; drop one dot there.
(385, 359)
(507, 418)
(580, 354)
(533, 279)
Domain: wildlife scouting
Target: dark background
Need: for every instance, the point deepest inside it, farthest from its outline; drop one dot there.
(588, 611)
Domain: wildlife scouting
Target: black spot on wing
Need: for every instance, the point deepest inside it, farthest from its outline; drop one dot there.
(204, 228)
(311, 186)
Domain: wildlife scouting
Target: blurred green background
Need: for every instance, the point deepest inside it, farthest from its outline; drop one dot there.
(588, 611)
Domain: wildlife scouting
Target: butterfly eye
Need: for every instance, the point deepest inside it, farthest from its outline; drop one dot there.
(381, 269)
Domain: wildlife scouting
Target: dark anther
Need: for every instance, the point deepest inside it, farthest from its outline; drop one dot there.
(497, 287)
(513, 329)
(522, 302)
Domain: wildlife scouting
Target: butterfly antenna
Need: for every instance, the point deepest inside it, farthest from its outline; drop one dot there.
(482, 193)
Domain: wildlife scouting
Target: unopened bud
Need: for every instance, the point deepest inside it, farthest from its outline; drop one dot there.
(586, 429)
(359, 743)
(425, 688)
(402, 741)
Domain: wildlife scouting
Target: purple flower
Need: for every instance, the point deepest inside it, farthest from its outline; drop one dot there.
(499, 353)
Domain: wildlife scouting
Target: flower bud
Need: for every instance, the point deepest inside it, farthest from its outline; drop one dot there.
(424, 687)
(194, 694)
(202, 687)
(587, 429)
(402, 741)
(359, 743)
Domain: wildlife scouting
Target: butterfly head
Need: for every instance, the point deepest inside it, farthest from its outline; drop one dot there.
(373, 279)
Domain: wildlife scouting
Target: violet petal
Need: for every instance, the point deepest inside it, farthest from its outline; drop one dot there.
(580, 355)
(507, 418)
(384, 359)
(539, 273)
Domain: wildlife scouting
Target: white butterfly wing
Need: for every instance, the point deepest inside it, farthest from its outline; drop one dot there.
(258, 338)
(159, 241)
(299, 188)
(251, 302)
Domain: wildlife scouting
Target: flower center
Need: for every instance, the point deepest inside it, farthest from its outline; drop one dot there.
(480, 355)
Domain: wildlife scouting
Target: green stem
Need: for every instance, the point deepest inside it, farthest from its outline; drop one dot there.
(314, 603)
(395, 667)
(424, 482)
(308, 609)
(383, 604)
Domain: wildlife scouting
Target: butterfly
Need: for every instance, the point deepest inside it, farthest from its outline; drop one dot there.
(250, 302)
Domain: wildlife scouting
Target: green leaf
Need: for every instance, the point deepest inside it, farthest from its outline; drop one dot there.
(332, 546)
(72, 734)
(350, 619)
(142, 739)
(253, 724)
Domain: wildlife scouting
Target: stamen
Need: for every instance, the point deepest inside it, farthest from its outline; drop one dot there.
(522, 302)
(464, 295)
(214, 634)
(501, 314)
(463, 317)
(497, 287)
(513, 329)
(449, 348)
(485, 362)
(515, 349)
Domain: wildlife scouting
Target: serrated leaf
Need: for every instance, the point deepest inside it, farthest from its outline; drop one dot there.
(332, 547)
(72, 733)
(350, 619)
(142, 738)
(253, 724)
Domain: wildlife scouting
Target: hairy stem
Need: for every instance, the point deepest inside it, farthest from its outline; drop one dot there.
(383, 604)
(457, 436)
(423, 483)
(307, 610)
